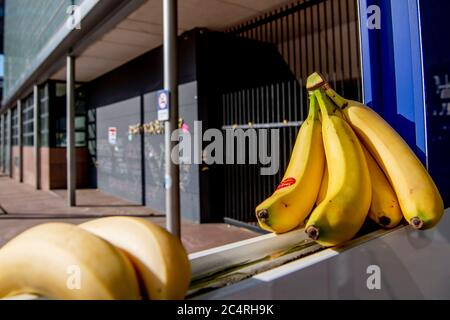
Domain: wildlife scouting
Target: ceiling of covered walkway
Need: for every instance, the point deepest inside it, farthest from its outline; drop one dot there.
(141, 31)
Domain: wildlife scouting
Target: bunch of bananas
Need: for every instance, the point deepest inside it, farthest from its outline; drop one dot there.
(108, 258)
(347, 164)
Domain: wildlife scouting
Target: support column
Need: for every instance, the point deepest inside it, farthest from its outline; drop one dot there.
(37, 137)
(2, 143)
(19, 139)
(172, 178)
(9, 144)
(70, 131)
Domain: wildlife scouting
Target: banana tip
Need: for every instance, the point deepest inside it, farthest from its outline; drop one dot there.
(384, 221)
(262, 214)
(312, 232)
(416, 223)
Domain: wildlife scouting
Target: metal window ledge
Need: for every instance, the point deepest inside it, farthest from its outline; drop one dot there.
(409, 265)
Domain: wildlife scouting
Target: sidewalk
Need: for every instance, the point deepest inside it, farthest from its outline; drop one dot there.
(21, 206)
(19, 199)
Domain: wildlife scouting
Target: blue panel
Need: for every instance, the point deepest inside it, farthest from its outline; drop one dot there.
(418, 81)
(392, 66)
(436, 58)
(408, 73)
(370, 59)
(405, 64)
(402, 59)
(366, 55)
(387, 67)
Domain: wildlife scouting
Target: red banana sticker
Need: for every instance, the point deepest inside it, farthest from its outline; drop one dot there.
(286, 183)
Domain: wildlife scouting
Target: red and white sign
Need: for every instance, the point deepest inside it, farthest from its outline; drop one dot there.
(286, 183)
(112, 135)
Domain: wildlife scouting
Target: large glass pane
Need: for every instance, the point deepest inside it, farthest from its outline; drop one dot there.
(80, 123)
(80, 139)
(29, 26)
(15, 127)
(28, 121)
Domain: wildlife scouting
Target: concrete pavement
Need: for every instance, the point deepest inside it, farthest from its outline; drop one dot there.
(21, 206)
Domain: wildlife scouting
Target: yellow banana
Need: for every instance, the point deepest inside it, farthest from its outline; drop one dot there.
(384, 209)
(294, 198)
(323, 187)
(343, 211)
(418, 196)
(62, 261)
(159, 258)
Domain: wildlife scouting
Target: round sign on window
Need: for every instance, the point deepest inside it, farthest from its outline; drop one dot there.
(163, 105)
(163, 100)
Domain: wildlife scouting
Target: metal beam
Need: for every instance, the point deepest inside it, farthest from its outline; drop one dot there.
(172, 176)
(19, 139)
(70, 132)
(37, 137)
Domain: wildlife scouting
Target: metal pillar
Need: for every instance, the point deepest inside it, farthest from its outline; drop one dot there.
(9, 144)
(37, 137)
(70, 132)
(2, 143)
(172, 177)
(5, 141)
(19, 139)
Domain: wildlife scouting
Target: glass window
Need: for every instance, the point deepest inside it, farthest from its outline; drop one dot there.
(29, 25)
(45, 115)
(80, 123)
(15, 127)
(80, 139)
(28, 121)
(60, 116)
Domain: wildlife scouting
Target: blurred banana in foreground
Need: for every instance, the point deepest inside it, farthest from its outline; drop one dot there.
(62, 261)
(160, 260)
(294, 198)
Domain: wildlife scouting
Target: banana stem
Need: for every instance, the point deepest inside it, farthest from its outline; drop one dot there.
(337, 99)
(317, 81)
(313, 113)
(326, 106)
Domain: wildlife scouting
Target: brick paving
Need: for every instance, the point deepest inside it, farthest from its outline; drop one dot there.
(21, 206)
